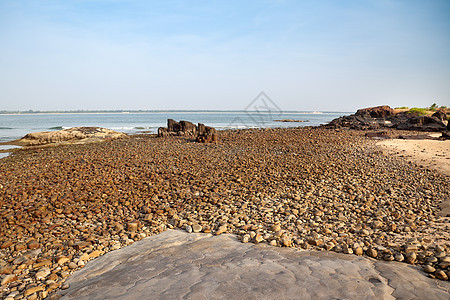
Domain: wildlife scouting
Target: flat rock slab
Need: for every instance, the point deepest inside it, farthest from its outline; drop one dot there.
(176, 264)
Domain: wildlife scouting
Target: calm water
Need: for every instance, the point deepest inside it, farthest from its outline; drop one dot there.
(15, 126)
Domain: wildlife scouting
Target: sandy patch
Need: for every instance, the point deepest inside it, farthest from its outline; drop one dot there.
(432, 154)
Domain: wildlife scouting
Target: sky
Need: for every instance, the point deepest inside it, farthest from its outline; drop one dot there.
(219, 55)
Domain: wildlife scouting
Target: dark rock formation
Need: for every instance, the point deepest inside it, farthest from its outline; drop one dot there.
(376, 112)
(173, 126)
(422, 123)
(202, 133)
(445, 135)
(177, 128)
(206, 134)
(384, 117)
(188, 127)
(440, 114)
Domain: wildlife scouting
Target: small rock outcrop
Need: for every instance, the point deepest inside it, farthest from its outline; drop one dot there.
(201, 132)
(422, 123)
(70, 135)
(385, 117)
(441, 115)
(376, 112)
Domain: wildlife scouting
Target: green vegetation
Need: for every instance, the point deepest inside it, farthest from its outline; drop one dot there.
(403, 107)
(433, 107)
(418, 111)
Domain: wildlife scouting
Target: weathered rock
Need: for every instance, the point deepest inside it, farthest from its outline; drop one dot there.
(203, 134)
(62, 260)
(33, 290)
(196, 228)
(384, 117)
(440, 115)
(71, 135)
(95, 253)
(43, 273)
(411, 257)
(132, 226)
(188, 127)
(243, 271)
(422, 123)
(162, 131)
(440, 274)
(372, 252)
(376, 112)
(221, 229)
(206, 134)
(428, 269)
(8, 279)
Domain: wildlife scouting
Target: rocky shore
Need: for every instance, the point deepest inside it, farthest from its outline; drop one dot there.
(380, 117)
(74, 135)
(308, 188)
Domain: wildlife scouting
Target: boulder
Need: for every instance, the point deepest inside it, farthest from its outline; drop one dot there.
(206, 134)
(203, 134)
(173, 126)
(162, 131)
(188, 127)
(441, 115)
(376, 112)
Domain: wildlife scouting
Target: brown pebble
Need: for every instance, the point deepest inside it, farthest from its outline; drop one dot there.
(132, 226)
(33, 245)
(441, 275)
(411, 257)
(428, 269)
(33, 290)
(372, 252)
(8, 279)
(20, 246)
(221, 229)
(95, 253)
(6, 244)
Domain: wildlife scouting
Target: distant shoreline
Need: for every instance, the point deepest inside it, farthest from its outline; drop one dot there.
(93, 112)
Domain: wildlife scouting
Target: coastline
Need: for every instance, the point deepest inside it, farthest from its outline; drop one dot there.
(433, 154)
(305, 188)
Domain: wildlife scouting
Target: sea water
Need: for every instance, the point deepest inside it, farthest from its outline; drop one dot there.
(15, 126)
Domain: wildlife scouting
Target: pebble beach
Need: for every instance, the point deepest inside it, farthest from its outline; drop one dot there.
(307, 188)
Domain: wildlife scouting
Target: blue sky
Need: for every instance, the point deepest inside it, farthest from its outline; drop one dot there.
(305, 55)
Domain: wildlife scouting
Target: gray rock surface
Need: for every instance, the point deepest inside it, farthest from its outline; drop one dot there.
(176, 264)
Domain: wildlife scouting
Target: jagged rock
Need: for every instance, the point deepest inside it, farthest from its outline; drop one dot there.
(188, 127)
(422, 123)
(173, 126)
(376, 112)
(441, 115)
(206, 134)
(384, 117)
(203, 134)
(162, 131)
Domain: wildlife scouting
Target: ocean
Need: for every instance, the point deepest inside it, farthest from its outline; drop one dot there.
(15, 126)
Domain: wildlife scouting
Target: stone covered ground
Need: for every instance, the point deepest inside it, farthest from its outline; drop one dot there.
(309, 188)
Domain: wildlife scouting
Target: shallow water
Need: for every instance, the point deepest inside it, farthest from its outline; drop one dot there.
(15, 126)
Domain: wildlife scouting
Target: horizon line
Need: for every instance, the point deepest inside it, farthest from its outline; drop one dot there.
(81, 111)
